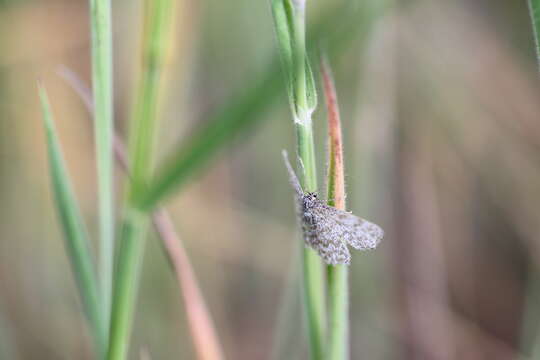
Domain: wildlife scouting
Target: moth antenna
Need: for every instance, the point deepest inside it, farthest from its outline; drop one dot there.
(301, 165)
(292, 176)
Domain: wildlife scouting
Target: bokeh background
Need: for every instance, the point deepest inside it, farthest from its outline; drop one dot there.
(440, 105)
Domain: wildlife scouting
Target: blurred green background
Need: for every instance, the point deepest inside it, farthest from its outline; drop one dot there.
(440, 106)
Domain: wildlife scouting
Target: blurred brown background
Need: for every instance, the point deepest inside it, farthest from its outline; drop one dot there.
(441, 109)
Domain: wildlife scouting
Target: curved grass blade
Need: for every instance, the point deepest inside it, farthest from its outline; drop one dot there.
(75, 235)
(282, 12)
(235, 119)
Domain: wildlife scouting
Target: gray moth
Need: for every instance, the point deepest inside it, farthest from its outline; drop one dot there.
(328, 230)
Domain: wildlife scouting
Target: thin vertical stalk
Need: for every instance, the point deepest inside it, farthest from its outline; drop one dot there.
(156, 37)
(534, 12)
(299, 61)
(102, 84)
(289, 21)
(126, 281)
(156, 32)
(75, 234)
(313, 270)
(338, 287)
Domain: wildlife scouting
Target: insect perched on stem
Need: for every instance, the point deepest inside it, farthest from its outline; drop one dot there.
(328, 230)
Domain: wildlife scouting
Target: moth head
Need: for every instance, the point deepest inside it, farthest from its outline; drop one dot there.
(310, 199)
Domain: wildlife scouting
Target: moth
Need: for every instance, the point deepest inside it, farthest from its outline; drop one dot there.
(328, 230)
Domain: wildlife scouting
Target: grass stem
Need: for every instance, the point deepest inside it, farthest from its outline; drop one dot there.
(289, 20)
(338, 288)
(534, 12)
(313, 270)
(156, 36)
(102, 84)
(126, 281)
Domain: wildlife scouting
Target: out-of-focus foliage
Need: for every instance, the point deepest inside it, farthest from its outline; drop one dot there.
(440, 108)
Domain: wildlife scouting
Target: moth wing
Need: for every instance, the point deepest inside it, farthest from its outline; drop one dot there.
(325, 238)
(309, 231)
(367, 235)
(355, 231)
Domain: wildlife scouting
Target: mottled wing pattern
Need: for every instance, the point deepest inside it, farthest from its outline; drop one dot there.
(328, 230)
(324, 235)
(331, 229)
(366, 235)
(357, 232)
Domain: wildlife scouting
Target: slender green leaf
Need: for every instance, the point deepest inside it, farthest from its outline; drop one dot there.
(283, 13)
(314, 302)
(291, 52)
(102, 84)
(75, 236)
(534, 11)
(156, 37)
(311, 88)
(304, 101)
(237, 118)
(126, 281)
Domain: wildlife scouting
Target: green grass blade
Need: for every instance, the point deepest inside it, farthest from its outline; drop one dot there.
(157, 24)
(534, 11)
(313, 270)
(338, 304)
(311, 88)
(102, 84)
(282, 12)
(235, 119)
(290, 35)
(76, 240)
(304, 102)
(156, 37)
(128, 267)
